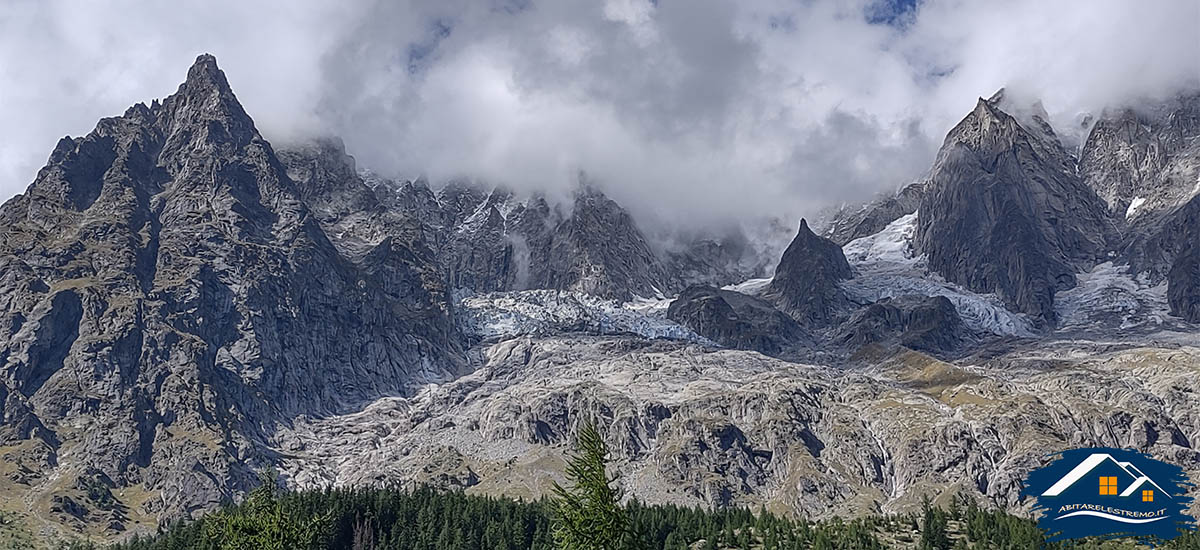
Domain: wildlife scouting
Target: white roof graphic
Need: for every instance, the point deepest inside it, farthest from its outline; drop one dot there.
(1090, 463)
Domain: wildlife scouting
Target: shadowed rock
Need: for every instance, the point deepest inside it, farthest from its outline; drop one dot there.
(1183, 280)
(736, 320)
(922, 323)
(805, 283)
(1005, 212)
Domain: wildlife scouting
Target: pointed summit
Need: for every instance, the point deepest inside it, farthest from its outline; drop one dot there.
(172, 237)
(1005, 212)
(805, 283)
(205, 69)
(205, 76)
(205, 109)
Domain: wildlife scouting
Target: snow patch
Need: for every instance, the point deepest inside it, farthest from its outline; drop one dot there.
(752, 287)
(1134, 204)
(886, 266)
(890, 248)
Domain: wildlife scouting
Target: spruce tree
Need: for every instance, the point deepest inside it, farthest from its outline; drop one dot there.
(588, 515)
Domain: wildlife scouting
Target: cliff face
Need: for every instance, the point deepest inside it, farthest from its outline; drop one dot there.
(497, 241)
(1144, 161)
(1006, 212)
(171, 294)
(855, 222)
(805, 284)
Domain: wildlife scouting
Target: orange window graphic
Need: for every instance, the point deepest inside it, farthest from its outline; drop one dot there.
(1108, 485)
(1148, 496)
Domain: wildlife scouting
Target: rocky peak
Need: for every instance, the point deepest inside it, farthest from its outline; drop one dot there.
(170, 286)
(204, 108)
(990, 130)
(805, 284)
(600, 250)
(1005, 212)
(1144, 161)
(853, 222)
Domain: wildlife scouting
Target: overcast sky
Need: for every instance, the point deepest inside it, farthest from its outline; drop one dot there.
(693, 109)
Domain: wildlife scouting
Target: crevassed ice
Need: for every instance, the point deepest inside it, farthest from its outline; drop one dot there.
(885, 266)
(503, 315)
(752, 287)
(1108, 295)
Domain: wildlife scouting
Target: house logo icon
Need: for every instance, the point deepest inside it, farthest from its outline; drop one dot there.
(1110, 493)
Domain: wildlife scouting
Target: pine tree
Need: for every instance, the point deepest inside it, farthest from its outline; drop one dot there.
(588, 515)
(933, 532)
(263, 522)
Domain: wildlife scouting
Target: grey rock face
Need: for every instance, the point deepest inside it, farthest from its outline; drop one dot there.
(1005, 212)
(495, 241)
(735, 427)
(922, 323)
(736, 320)
(599, 250)
(1142, 162)
(1183, 280)
(851, 223)
(805, 282)
(1147, 165)
(373, 235)
(171, 294)
(716, 261)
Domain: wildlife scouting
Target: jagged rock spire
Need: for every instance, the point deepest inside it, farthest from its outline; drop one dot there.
(1006, 212)
(805, 283)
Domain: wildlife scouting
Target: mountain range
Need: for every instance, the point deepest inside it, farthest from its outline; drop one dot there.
(186, 304)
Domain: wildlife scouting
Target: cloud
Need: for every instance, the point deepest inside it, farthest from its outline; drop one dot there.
(689, 112)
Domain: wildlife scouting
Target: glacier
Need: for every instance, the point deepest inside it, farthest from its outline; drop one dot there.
(885, 266)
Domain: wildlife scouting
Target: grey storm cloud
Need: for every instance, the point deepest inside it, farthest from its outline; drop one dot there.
(693, 111)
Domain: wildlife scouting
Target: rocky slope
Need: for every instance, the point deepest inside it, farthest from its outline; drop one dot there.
(731, 427)
(172, 296)
(923, 323)
(805, 284)
(1006, 212)
(855, 222)
(737, 321)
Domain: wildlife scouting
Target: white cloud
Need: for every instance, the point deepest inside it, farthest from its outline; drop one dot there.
(694, 111)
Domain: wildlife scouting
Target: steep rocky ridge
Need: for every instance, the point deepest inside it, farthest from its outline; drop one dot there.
(171, 298)
(1006, 212)
(1146, 164)
(805, 284)
(855, 222)
(489, 241)
(1142, 161)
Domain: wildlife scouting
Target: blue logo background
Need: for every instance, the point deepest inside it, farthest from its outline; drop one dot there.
(1110, 493)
